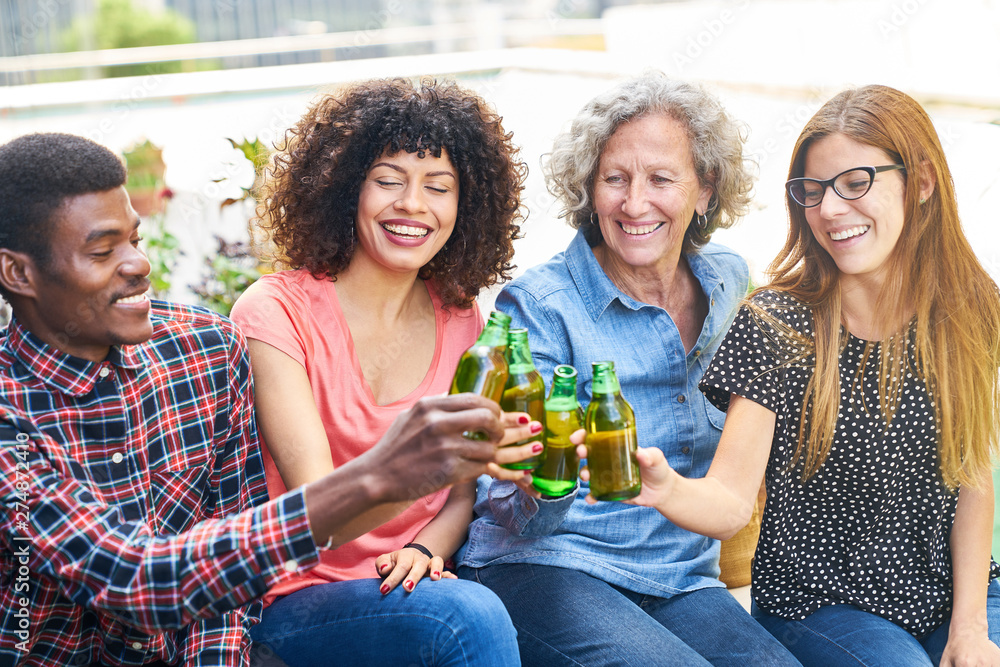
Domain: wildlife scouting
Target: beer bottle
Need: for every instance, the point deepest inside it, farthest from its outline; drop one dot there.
(611, 439)
(524, 392)
(559, 466)
(483, 367)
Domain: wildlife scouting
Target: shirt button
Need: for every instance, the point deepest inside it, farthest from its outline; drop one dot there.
(137, 645)
(104, 372)
(291, 566)
(697, 353)
(681, 398)
(713, 302)
(117, 457)
(686, 450)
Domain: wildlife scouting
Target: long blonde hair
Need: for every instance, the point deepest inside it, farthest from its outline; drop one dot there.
(934, 284)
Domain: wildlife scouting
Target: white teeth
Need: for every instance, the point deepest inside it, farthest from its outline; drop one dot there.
(849, 233)
(406, 230)
(636, 230)
(138, 298)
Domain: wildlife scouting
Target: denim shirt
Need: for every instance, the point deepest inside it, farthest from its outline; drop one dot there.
(575, 315)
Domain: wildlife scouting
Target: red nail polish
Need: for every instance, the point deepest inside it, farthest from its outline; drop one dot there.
(383, 567)
(537, 447)
(436, 574)
(523, 419)
(536, 427)
(384, 589)
(408, 585)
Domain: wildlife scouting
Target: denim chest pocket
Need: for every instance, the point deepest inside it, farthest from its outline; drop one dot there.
(716, 417)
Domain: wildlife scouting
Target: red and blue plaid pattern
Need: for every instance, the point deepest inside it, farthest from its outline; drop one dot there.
(126, 537)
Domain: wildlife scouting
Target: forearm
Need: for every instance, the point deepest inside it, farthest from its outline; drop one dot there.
(446, 532)
(970, 550)
(706, 506)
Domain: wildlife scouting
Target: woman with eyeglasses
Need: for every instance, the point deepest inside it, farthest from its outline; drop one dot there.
(862, 384)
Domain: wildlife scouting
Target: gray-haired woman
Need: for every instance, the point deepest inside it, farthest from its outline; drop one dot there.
(647, 172)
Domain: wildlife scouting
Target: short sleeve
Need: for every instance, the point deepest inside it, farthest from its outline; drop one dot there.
(752, 360)
(270, 311)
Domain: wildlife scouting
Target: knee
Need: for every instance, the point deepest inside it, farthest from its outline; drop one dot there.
(479, 607)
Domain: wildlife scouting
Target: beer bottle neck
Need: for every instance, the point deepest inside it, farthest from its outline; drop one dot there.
(519, 357)
(563, 395)
(605, 383)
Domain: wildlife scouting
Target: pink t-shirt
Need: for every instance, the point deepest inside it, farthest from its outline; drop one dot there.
(301, 316)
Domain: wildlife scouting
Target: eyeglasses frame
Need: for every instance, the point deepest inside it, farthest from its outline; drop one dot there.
(830, 183)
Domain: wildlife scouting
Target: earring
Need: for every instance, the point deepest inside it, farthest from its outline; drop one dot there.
(594, 219)
(922, 200)
(701, 220)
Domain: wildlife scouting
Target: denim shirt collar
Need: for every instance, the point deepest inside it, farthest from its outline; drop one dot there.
(598, 292)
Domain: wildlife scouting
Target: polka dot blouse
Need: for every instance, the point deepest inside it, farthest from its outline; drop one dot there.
(871, 527)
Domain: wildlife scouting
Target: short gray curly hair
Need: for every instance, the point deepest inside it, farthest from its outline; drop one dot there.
(716, 145)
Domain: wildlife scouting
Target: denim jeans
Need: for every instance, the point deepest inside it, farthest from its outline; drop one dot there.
(845, 635)
(446, 622)
(567, 617)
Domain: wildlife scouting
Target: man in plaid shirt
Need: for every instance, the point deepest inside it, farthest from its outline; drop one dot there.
(135, 523)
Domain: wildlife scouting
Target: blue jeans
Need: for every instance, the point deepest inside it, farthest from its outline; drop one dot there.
(566, 617)
(845, 635)
(446, 622)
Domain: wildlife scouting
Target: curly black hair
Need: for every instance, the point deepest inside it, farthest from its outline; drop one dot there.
(38, 172)
(310, 198)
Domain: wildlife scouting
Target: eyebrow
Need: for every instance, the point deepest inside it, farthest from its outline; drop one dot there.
(403, 171)
(99, 234)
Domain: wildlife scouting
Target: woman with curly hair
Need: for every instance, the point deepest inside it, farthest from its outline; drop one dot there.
(393, 204)
(647, 172)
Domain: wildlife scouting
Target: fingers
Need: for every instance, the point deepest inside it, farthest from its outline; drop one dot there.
(578, 437)
(385, 563)
(581, 450)
(436, 569)
(505, 455)
(411, 566)
(518, 426)
(525, 484)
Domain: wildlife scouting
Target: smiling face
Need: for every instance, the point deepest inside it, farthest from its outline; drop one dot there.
(407, 209)
(861, 234)
(646, 192)
(91, 293)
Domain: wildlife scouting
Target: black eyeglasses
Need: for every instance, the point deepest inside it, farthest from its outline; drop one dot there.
(851, 184)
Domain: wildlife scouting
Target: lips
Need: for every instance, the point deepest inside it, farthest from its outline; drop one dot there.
(138, 294)
(845, 234)
(406, 230)
(632, 229)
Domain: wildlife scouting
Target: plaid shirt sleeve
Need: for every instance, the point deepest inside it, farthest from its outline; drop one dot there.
(103, 562)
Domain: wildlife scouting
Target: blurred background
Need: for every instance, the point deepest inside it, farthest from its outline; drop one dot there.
(195, 94)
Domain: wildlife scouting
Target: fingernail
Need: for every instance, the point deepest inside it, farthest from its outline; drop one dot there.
(436, 573)
(523, 419)
(537, 447)
(382, 567)
(527, 472)
(408, 585)
(384, 589)
(536, 427)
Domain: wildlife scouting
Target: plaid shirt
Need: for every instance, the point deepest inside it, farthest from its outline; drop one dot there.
(125, 485)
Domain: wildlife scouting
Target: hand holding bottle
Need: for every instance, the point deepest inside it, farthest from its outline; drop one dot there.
(658, 478)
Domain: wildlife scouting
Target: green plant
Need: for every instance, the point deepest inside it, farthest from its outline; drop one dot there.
(162, 248)
(230, 272)
(257, 152)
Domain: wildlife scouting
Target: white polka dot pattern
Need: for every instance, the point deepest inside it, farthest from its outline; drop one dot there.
(871, 528)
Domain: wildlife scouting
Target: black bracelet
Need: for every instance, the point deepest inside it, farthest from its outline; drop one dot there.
(419, 547)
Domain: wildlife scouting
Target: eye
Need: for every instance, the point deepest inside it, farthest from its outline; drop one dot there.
(660, 180)
(386, 183)
(136, 240)
(614, 179)
(438, 190)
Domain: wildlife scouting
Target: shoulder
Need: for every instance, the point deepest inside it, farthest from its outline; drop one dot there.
(191, 327)
(729, 263)
(779, 312)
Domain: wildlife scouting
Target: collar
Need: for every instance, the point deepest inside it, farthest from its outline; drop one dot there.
(58, 370)
(597, 290)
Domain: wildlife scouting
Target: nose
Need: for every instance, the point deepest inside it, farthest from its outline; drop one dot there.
(411, 200)
(135, 263)
(635, 203)
(832, 204)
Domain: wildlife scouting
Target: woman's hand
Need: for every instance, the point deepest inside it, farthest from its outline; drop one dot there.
(517, 426)
(657, 476)
(409, 566)
(970, 649)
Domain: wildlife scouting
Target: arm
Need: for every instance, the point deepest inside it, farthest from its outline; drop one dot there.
(442, 536)
(968, 641)
(721, 503)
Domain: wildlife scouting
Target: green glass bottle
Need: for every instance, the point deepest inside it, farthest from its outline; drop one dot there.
(524, 391)
(559, 466)
(611, 439)
(483, 367)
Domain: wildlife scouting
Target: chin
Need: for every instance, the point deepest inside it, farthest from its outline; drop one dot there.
(133, 336)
